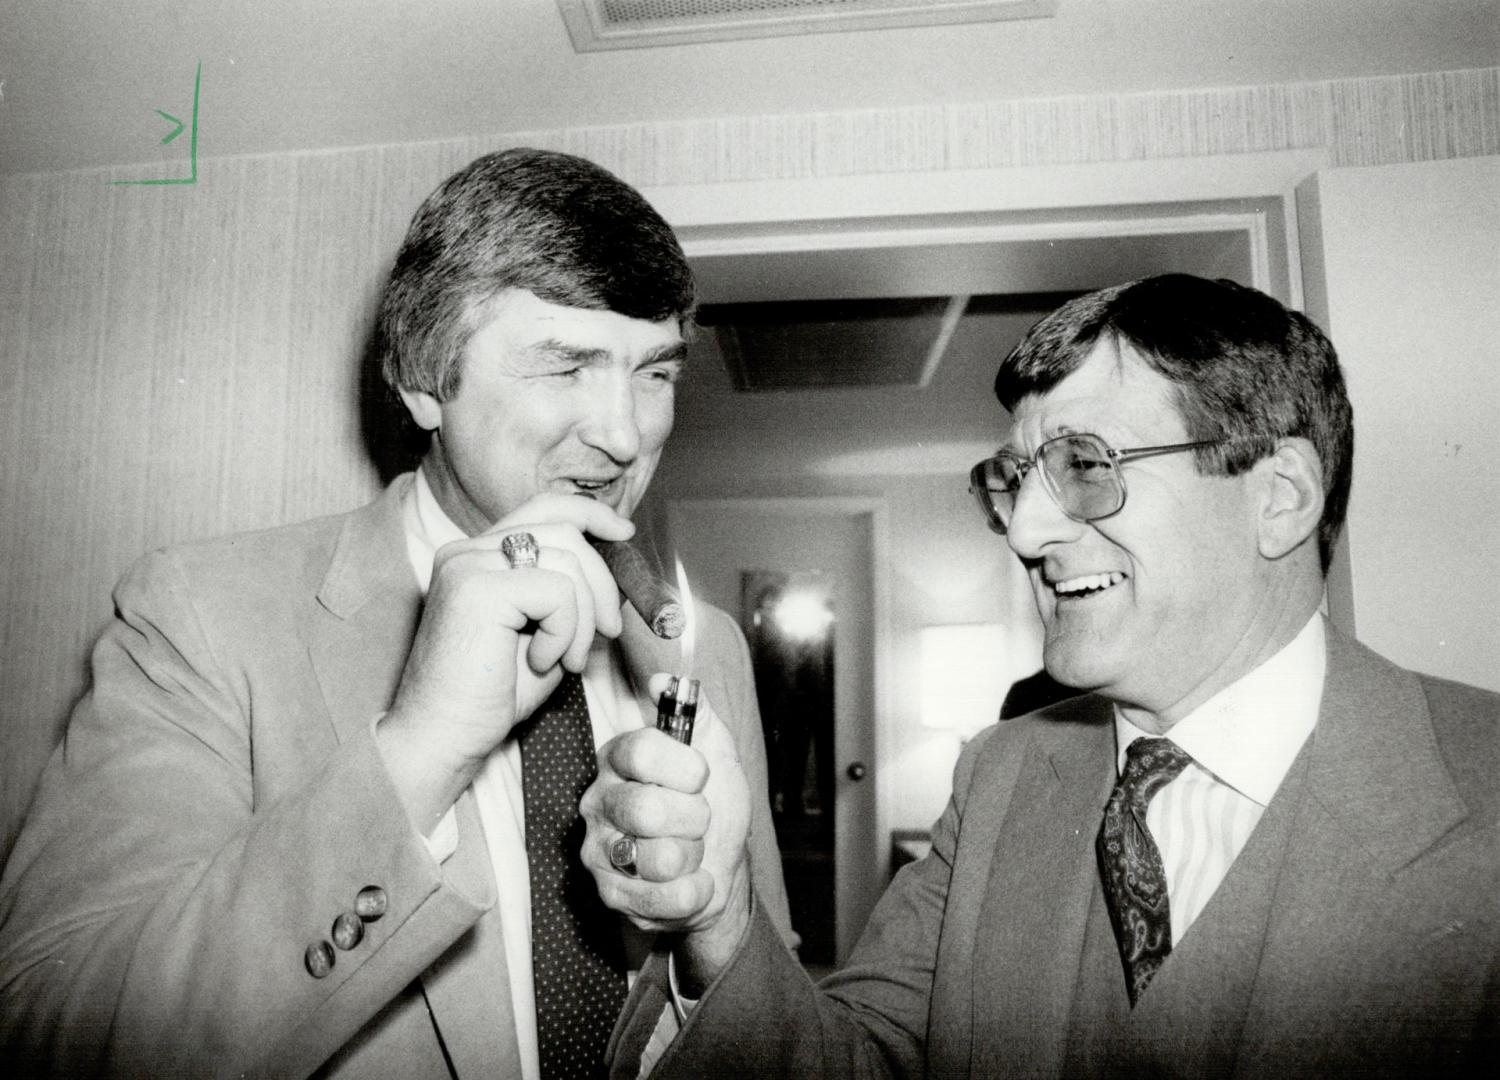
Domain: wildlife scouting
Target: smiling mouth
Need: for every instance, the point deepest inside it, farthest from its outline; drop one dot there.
(1086, 585)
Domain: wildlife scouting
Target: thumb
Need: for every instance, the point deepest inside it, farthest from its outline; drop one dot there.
(657, 685)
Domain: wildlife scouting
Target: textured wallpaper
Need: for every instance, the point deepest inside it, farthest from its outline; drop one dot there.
(180, 362)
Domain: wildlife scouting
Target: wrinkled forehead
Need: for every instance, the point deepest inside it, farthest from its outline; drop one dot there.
(1114, 393)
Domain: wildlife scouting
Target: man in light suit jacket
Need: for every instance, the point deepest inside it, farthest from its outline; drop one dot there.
(287, 832)
(1255, 848)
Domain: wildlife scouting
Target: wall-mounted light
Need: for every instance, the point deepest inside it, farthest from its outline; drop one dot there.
(966, 669)
(802, 615)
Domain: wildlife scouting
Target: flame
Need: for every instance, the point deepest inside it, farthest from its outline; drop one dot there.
(690, 620)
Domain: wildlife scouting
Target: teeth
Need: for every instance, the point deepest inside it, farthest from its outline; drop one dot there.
(1089, 582)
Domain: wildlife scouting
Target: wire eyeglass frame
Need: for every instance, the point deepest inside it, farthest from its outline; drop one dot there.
(1072, 496)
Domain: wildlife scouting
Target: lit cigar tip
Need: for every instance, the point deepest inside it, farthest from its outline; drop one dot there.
(669, 621)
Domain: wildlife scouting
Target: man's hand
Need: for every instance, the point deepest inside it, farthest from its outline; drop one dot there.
(688, 809)
(493, 644)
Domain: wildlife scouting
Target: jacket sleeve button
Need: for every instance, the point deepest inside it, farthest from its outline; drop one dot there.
(371, 903)
(319, 959)
(348, 931)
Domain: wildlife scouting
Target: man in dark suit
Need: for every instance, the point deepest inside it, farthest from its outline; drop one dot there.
(1252, 848)
(316, 810)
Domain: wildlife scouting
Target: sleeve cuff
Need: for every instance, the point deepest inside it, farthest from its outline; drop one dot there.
(682, 1005)
(444, 839)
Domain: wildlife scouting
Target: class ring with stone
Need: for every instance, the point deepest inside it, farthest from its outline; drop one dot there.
(520, 549)
(622, 855)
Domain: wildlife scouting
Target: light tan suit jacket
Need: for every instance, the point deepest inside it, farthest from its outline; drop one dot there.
(218, 801)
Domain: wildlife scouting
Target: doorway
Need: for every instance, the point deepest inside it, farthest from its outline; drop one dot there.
(799, 576)
(790, 625)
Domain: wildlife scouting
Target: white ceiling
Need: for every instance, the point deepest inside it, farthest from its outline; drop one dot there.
(80, 80)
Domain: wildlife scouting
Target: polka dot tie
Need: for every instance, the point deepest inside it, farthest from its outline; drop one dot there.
(577, 957)
(1135, 884)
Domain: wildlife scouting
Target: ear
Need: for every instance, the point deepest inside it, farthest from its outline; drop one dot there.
(1292, 499)
(425, 409)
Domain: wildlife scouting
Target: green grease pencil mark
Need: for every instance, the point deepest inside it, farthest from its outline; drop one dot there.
(176, 131)
(192, 178)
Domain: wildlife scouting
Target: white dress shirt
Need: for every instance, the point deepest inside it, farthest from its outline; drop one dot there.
(1242, 741)
(497, 788)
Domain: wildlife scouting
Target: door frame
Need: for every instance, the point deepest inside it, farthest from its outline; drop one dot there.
(860, 880)
(1104, 199)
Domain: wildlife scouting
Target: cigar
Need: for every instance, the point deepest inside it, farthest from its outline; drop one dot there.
(657, 601)
(678, 708)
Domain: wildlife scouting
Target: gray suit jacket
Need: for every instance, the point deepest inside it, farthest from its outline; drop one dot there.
(218, 801)
(1356, 934)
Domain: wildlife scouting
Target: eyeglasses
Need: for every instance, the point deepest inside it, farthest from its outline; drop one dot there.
(1080, 472)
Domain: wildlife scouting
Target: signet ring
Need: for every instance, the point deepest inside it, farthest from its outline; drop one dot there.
(622, 854)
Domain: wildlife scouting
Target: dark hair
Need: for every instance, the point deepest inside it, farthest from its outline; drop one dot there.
(556, 225)
(1243, 367)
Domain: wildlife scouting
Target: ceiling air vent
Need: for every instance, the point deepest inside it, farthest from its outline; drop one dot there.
(633, 24)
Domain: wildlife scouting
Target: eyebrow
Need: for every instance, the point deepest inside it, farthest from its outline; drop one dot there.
(668, 354)
(1010, 445)
(552, 349)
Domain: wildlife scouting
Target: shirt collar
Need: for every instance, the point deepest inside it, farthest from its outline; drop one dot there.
(428, 528)
(1248, 734)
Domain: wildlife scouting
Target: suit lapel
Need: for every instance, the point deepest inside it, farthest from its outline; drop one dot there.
(1353, 884)
(370, 604)
(1030, 934)
(1376, 767)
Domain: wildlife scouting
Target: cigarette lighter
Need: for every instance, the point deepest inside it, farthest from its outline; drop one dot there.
(677, 708)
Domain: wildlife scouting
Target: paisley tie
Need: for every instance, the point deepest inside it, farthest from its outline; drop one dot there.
(1134, 882)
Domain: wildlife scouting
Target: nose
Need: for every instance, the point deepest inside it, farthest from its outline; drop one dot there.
(610, 423)
(1037, 521)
